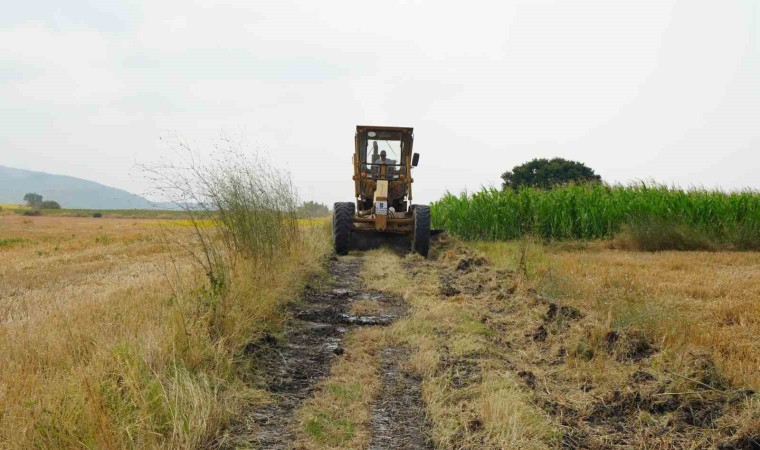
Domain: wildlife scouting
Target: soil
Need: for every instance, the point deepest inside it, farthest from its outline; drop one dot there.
(398, 416)
(300, 359)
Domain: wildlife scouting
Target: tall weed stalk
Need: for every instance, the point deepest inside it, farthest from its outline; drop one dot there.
(239, 206)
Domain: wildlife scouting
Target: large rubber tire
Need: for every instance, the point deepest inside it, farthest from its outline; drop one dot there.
(421, 237)
(342, 214)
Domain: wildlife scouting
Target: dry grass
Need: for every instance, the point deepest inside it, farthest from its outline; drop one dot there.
(472, 396)
(106, 335)
(10, 209)
(664, 341)
(682, 300)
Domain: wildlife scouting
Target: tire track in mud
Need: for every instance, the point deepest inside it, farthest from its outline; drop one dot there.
(303, 357)
(398, 416)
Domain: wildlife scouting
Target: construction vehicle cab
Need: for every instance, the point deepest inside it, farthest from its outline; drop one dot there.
(382, 173)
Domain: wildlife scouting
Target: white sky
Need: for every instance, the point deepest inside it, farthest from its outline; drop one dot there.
(638, 89)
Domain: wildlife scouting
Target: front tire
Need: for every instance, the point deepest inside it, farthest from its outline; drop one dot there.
(421, 238)
(342, 214)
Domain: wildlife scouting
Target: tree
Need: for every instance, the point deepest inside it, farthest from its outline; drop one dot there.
(33, 200)
(50, 204)
(547, 173)
(313, 209)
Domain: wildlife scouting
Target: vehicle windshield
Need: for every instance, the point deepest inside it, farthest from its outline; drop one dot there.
(383, 152)
(383, 158)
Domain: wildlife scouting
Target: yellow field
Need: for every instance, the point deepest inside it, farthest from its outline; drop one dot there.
(108, 339)
(684, 300)
(676, 331)
(111, 340)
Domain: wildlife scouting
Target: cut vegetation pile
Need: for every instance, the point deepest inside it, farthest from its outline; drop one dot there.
(651, 217)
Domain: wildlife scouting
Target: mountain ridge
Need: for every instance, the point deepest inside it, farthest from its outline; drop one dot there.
(68, 191)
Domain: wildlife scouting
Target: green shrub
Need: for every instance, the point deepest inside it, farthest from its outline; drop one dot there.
(652, 234)
(747, 236)
(50, 204)
(313, 209)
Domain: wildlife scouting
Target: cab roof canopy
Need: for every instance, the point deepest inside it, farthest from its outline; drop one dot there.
(385, 132)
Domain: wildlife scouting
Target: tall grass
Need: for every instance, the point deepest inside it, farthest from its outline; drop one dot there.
(251, 207)
(600, 211)
(152, 355)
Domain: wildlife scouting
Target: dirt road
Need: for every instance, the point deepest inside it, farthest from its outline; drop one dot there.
(498, 364)
(312, 342)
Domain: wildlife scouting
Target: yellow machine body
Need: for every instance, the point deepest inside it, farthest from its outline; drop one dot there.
(383, 190)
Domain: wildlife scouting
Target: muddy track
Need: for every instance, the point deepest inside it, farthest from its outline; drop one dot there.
(398, 416)
(303, 357)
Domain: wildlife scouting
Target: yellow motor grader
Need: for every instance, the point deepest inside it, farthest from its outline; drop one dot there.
(382, 210)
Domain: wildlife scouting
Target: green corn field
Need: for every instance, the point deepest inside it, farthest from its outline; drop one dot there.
(598, 211)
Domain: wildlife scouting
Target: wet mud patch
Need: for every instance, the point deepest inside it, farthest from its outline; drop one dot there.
(398, 415)
(291, 367)
(463, 370)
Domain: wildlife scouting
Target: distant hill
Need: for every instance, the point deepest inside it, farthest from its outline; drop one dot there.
(69, 192)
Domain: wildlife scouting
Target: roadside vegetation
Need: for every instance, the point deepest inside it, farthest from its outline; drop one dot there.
(529, 345)
(646, 217)
(121, 333)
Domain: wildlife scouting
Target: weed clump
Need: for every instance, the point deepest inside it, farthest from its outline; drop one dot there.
(653, 234)
(239, 206)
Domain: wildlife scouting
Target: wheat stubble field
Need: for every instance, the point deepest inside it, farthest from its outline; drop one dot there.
(110, 338)
(79, 297)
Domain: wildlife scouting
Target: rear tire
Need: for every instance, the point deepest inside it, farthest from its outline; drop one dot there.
(421, 238)
(342, 214)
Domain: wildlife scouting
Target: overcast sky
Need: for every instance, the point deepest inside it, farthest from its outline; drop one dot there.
(639, 89)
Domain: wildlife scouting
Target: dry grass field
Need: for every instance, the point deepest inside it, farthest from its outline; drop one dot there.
(666, 341)
(110, 340)
(684, 301)
(681, 301)
(526, 345)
